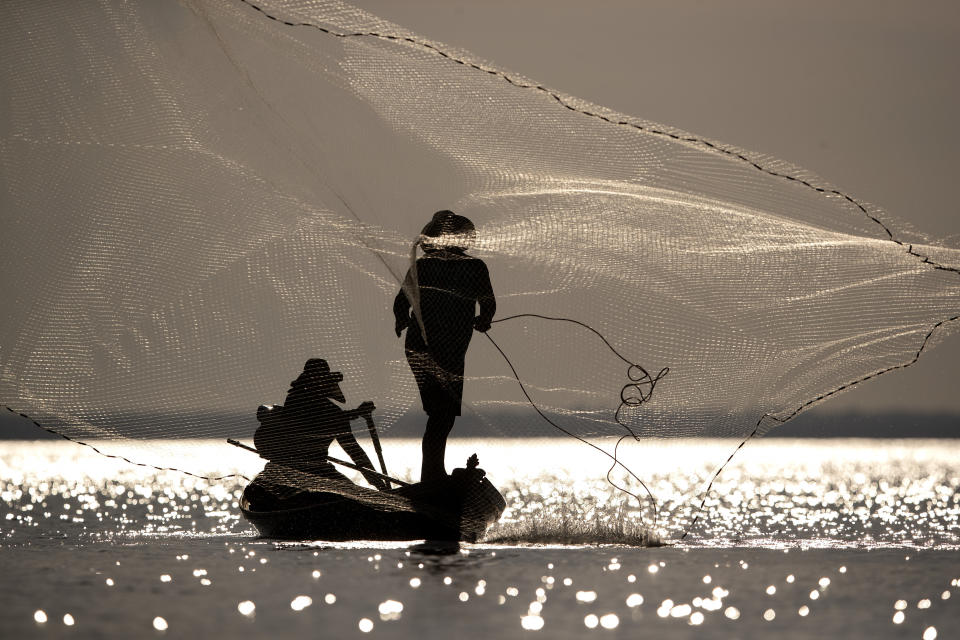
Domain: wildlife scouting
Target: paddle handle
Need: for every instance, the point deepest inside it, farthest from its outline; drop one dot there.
(237, 443)
(344, 463)
(376, 442)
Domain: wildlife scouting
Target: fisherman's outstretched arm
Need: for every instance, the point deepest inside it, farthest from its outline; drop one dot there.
(364, 409)
(486, 300)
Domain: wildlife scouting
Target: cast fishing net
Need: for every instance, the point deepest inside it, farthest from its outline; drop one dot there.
(197, 197)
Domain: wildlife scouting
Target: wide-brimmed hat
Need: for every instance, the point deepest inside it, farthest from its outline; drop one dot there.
(317, 370)
(317, 377)
(447, 230)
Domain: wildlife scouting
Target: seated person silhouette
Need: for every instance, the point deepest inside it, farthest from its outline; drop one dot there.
(442, 289)
(296, 437)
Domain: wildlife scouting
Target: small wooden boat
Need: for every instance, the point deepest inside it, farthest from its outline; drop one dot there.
(459, 507)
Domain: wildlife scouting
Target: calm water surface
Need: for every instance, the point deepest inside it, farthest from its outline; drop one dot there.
(799, 539)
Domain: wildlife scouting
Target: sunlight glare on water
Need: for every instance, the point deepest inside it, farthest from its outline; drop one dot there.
(826, 493)
(795, 530)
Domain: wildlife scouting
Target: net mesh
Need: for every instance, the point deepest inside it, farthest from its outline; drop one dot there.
(197, 197)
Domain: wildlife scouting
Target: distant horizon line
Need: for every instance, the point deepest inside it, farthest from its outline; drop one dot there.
(819, 424)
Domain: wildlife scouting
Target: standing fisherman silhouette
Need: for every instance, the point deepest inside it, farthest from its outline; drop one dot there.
(442, 289)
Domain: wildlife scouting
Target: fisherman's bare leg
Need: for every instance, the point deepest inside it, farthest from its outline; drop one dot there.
(435, 446)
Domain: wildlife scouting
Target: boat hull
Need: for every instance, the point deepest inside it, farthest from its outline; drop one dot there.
(456, 508)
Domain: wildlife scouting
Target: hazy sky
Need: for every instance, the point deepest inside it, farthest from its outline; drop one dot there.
(862, 92)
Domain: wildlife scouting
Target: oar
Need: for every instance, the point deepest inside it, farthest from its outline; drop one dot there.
(376, 442)
(344, 463)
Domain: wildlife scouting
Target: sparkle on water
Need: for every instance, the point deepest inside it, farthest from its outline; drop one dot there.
(881, 498)
(609, 621)
(634, 600)
(531, 622)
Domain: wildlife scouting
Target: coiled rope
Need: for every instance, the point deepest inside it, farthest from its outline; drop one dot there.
(632, 394)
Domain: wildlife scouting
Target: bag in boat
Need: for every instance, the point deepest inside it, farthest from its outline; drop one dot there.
(269, 436)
